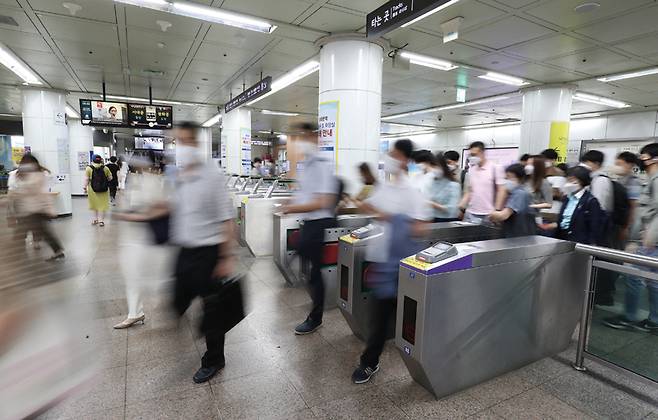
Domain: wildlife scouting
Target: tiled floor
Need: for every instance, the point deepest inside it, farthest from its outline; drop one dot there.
(271, 373)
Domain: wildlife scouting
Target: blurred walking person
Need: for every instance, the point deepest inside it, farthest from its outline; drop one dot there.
(33, 205)
(123, 173)
(97, 187)
(113, 166)
(316, 200)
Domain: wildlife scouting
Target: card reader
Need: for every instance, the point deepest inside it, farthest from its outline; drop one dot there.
(437, 252)
(366, 231)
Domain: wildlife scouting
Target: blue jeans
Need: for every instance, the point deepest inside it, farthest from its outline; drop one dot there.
(634, 287)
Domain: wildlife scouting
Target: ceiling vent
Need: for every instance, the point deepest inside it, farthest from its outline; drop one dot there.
(504, 120)
(389, 103)
(150, 72)
(466, 114)
(8, 20)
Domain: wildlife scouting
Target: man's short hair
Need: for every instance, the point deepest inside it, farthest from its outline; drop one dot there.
(650, 149)
(113, 159)
(451, 155)
(550, 154)
(423, 156)
(628, 157)
(404, 146)
(582, 174)
(477, 145)
(593, 156)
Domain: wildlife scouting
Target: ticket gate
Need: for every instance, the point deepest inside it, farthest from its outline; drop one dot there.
(469, 312)
(346, 224)
(355, 299)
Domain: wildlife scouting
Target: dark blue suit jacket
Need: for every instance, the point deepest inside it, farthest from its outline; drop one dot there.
(588, 222)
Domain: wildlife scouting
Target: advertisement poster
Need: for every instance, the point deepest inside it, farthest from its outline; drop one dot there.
(559, 139)
(222, 150)
(63, 157)
(328, 129)
(245, 150)
(83, 160)
(5, 152)
(17, 154)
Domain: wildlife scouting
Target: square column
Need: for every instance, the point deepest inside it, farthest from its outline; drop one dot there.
(236, 141)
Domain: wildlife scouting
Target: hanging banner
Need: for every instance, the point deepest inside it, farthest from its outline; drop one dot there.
(328, 130)
(395, 13)
(83, 160)
(245, 150)
(255, 91)
(559, 140)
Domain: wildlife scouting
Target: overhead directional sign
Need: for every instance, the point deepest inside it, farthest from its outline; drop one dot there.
(396, 13)
(259, 89)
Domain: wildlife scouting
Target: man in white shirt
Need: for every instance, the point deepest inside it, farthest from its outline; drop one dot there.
(389, 202)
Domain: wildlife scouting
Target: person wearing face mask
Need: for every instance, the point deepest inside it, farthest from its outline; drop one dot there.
(257, 167)
(644, 238)
(554, 175)
(424, 161)
(444, 192)
(540, 189)
(316, 200)
(400, 211)
(517, 216)
(581, 217)
(452, 160)
(624, 170)
(484, 189)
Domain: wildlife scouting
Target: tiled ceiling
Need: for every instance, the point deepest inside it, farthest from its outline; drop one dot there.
(543, 41)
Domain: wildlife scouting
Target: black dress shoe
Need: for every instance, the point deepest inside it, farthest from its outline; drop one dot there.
(204, 374)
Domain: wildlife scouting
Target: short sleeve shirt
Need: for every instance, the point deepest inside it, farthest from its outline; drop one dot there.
(316, 176)
(482, 182)
(519, 200)
(633, 186)
(601, 188)
(398, 197)
(200, 206)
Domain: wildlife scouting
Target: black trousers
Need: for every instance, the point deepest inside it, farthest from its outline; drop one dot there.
(310, 248)
(383, 316)
(194, 278)
(38, 225)
(113, 191)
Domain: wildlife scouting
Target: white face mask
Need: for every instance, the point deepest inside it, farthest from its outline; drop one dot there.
(548, 163)
(307, 148)
(586, 166)
(511, 184)
(618, 170)
(474, 160)
(28, 167)
(391, 166)
(529, 169)
(452, 167)
(188, 155)
(570, 188)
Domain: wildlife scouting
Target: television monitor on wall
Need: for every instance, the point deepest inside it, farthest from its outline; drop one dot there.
(150, 116)
(94, 112)
(149, 143)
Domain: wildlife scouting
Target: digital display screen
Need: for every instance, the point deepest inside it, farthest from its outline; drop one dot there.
(150, 116)
(149, 143)
(103, 113)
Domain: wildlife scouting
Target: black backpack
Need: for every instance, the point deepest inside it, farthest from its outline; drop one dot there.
(621, 211)
(99, 181)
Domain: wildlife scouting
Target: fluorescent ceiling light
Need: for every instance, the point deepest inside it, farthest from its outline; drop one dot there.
(285, 114)
(291, 77)
(599, 100)
(72, 113)
(503, 78)
(132, 98)
(489, 125)
(431, 12)
(212, 121)
(15, 64)
(423, 60)
(631, 75)
(588, 115)
(205, 13)
(446, 107)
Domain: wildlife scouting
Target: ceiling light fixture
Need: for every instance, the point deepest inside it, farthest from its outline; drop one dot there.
(212, 121)
(289, 78)
(599, 100)
(489, 125)
(132, 98)
(15, 64)
(586, 7)
(630, 75)
(72, 113)
(503, 78)
(285, 114)
(430, 13)
(446, 107)
(423, 60)
(588, 115)
(205, 13)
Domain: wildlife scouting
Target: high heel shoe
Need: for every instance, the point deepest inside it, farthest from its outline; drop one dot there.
(129, 322)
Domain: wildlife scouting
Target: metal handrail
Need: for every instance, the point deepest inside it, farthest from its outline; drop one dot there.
(616, 255)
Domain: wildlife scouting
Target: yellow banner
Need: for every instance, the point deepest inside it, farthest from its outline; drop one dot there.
(413, 262)
(559, 139)
(17, 154)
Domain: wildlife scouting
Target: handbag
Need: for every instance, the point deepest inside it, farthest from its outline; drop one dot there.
(224, 306)
(160, 229)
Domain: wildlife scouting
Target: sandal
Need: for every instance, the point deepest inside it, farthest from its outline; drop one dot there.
(101, 224)
(94, 223)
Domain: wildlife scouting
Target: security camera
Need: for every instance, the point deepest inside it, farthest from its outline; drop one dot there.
(439, 117)
(105, 130)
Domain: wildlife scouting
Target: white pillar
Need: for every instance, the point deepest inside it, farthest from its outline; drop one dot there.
(47, 137)
(81, 143)
(205, 142)
(546, 118)
(350, 99)
(236, 134)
